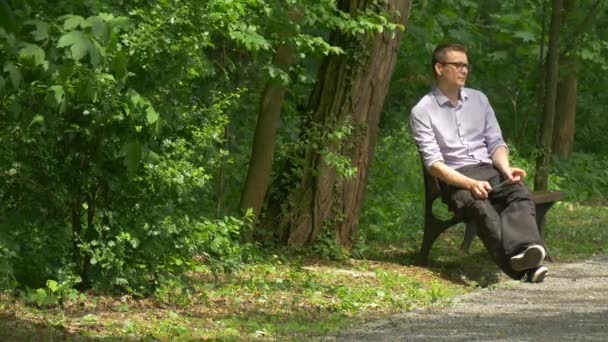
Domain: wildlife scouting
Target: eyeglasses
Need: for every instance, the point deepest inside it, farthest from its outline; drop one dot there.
(459, 66)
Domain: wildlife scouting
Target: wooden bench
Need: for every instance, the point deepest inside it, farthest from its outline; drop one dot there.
(434, 226)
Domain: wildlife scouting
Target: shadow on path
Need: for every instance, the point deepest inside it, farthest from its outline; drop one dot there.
(571, 305)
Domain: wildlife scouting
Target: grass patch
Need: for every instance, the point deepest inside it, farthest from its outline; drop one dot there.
(576, 231)
(291, 301)
(295, 300)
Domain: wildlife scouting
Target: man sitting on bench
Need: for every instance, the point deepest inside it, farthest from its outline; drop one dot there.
(461, 144)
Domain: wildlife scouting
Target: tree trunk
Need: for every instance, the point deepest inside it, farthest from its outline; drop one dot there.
(260, 164)
(565, 108)
(541, 74)
(350, 92)
(565, 114)
(541, 181)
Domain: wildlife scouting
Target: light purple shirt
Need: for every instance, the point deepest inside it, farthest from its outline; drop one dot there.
(460, 135)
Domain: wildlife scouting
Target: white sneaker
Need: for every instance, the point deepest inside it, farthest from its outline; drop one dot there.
(539, 274)
(531, 257)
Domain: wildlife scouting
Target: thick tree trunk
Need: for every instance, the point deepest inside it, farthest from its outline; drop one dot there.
(541, 181)
(350, 92)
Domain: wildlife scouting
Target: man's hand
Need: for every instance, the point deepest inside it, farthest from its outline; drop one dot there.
(500, 158)
(480, 189)
(514, 174)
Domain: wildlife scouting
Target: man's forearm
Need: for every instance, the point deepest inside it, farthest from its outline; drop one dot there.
(500, 158)
(479, 189)
(450, 176)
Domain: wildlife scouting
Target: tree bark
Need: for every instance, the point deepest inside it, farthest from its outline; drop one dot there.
(565, 108)
(350, 90)
(260, 164)
(565, 114)
(541, 180)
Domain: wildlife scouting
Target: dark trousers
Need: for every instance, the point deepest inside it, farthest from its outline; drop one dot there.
(506, 221)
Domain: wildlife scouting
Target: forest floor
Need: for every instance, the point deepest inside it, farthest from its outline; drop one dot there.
(383, 296)
(570, 305)
(273, 302)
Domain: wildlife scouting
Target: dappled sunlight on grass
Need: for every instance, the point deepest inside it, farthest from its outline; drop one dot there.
(300, 299)
(576, 231)
(264, 300)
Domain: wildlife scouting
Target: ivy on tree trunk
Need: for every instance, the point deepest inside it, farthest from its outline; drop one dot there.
(346, 104)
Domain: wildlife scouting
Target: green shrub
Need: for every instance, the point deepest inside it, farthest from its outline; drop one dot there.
(582, 177)
(104, 176)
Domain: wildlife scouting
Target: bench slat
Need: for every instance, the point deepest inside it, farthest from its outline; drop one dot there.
(545, 196)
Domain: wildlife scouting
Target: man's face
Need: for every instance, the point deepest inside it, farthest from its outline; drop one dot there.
(454, 69)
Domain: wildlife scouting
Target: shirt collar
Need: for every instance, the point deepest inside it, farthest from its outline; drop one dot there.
(442, 99)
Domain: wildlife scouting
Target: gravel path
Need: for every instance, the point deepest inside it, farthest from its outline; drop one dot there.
(571, 305)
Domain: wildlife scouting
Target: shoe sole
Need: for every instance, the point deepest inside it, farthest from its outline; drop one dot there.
(530, 258)
(539, 275)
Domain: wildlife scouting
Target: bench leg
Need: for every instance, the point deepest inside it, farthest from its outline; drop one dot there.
(433, 227)
(430, 235)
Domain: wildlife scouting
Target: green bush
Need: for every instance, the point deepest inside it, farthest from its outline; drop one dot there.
(582, 177)
(104, 176)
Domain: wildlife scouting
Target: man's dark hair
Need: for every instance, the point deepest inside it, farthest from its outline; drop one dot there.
(441, 50)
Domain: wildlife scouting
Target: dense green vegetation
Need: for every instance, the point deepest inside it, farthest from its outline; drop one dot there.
(126, 133)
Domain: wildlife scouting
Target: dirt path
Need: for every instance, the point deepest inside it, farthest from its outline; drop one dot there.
(571, 305)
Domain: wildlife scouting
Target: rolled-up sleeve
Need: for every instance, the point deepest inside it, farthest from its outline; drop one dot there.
(492, 132)
(424, 137)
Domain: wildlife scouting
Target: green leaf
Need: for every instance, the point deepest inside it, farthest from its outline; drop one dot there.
(96, 53)
(33, 52)
(134, 242)
(151, 114)
(587, 54)
(58, 94)
(79, 43)
(70, 38)
(13, 73)
(136, 99)
(79, 51)
(247, 35)
(99, 28)
(37, 119)
(42, 29)
(73, 21)
(121, 281)
(2, 84)
(52, 285)
(107, 17)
